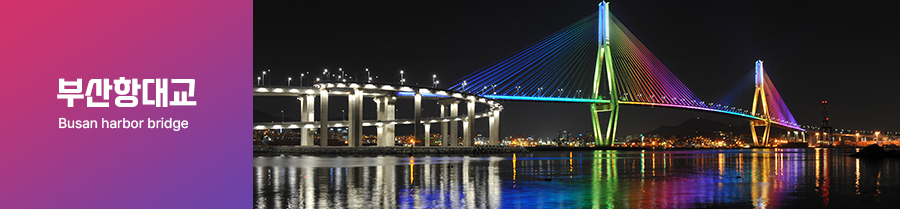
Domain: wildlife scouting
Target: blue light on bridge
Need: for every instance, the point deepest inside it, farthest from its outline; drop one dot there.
(410, 94)
(548, 99)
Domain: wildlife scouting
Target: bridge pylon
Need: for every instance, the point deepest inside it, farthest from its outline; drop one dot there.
(759, 96)
(604, 65)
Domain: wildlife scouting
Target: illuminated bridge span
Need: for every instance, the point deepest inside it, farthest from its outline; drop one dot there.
(595, 60)
(385, 96)
(564, 67)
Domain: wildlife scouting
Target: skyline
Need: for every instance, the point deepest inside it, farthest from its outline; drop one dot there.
(702, 40)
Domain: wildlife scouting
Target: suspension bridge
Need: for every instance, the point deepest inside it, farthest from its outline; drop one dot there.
(597, 60)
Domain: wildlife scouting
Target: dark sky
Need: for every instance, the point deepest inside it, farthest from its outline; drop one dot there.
(843, 52)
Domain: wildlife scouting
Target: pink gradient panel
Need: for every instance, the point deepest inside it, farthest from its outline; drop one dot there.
(204, 166)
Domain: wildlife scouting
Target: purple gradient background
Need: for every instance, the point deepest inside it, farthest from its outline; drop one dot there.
(204, 166)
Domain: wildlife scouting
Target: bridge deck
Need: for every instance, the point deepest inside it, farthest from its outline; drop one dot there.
(748, 116)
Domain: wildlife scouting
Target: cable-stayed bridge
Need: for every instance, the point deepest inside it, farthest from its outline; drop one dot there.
(597, 60)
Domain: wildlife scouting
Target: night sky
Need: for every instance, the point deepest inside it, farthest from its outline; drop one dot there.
(843, 52)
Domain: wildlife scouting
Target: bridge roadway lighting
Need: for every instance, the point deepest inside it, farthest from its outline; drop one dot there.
(301, 78)
(258, 79)
(264, 77)
(368, 75)
(402, 78)
(289, 81)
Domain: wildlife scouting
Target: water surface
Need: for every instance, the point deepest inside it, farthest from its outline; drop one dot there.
(746, 178)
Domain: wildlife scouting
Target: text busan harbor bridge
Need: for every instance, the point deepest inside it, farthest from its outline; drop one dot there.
(562, 67)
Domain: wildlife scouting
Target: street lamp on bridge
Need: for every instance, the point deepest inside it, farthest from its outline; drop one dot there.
(289, 81)
(327, 76)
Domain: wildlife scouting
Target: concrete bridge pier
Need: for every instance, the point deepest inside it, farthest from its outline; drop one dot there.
(454, 125)
(417, 119)
(304, 117)
(354, 105)
(803, 136)
(466, 133)
(469, 125)
(495, 128)
(310, 113)
(385, 108)
(323, 129)
(427, 139)
(303, 131)
(444, 137)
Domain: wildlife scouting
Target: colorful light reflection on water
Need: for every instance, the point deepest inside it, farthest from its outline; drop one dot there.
(748, 178)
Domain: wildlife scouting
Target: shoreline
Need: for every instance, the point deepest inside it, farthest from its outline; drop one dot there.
(316, 150)
(664, 149)
(374, 151)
